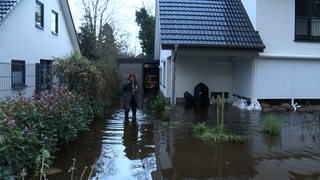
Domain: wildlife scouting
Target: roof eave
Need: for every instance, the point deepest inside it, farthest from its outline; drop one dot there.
(222, 47)
(70, 24)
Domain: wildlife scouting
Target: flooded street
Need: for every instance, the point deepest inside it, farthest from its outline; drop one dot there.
(151, 149)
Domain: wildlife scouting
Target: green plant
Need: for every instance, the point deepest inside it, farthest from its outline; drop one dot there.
(98, 82)
(220, 111)
(72, 169)
(200, 128)
(171, 124)
(271, 125)
(43, 160)
(215, 135)
(46, 121)
(158, 105)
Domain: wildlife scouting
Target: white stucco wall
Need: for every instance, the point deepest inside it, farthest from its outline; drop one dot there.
(287, 79)
(276, 26)
(287, 69)
(157, 33)
(242, 78)
(216, 74)
(21, 40)
(165, 67)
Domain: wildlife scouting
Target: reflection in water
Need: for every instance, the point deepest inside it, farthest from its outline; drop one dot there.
(130, 139)
(145, 149)
(272, 141)
(128, 149)
(189, 158)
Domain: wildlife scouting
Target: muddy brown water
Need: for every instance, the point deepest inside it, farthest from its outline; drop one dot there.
(150, 149)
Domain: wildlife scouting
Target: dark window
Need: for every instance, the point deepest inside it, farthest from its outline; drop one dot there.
(44, 75)
(54, 22)
(39, 14)
(307, 20)
(18, 74)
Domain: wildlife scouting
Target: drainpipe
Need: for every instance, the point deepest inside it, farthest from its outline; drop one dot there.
(173, 74)
(292, 87)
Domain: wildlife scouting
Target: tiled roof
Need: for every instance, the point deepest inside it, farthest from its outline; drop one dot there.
(209, 23)
(6, 7)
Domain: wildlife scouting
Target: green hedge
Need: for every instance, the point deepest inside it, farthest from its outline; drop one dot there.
(97, 81)
(46, 121)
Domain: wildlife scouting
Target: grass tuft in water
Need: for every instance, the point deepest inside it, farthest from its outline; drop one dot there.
(215, 135)
(272, 125)
(171, 124)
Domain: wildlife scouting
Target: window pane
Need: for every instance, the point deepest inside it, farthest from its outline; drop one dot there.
(17, 78)
(301, 8)
(307, 20)
(39, 14)
(316, 8)
(54, 22)
(17, 73)
(302, 27)
(315, 28)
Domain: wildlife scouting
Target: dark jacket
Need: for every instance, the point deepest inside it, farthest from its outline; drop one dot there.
(130, 89)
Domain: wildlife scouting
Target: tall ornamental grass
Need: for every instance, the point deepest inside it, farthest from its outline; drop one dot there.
(216, 135)
(271, 125)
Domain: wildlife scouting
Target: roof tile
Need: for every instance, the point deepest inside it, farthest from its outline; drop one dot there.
(6, 7)
(222, 23)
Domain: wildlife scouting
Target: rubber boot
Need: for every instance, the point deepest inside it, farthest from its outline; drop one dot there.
(126, 114)
(134, 113)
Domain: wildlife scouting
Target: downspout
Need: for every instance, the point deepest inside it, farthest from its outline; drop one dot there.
(292, 86)
(173, 74)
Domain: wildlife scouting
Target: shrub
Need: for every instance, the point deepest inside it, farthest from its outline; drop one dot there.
(158, 105)
(44, 122)
(97, 81)
(271, 125)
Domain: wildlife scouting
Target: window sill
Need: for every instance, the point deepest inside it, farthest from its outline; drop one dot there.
(19, 87)
(38, 26)
(308, 40)
(54, 33)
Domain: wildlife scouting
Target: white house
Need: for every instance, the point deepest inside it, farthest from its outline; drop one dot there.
(32, 33)
(253, 49)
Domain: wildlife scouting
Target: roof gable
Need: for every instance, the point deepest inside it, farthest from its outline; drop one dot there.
(209, 23)
(6, 7)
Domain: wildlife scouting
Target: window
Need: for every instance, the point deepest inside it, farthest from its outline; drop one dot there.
(307, 20)
(54, 22)
(44, 77)
(39, 14)
(18, 74)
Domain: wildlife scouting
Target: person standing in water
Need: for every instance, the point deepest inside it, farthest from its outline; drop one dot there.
(130, 96)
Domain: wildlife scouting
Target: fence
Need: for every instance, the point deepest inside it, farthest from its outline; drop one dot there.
(18, 77)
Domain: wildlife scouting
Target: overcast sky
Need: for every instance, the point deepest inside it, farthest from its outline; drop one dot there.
(123, 16)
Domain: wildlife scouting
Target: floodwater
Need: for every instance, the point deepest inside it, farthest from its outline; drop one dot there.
(148, 148)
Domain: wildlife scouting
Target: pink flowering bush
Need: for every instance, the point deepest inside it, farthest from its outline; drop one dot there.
(46, 121)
